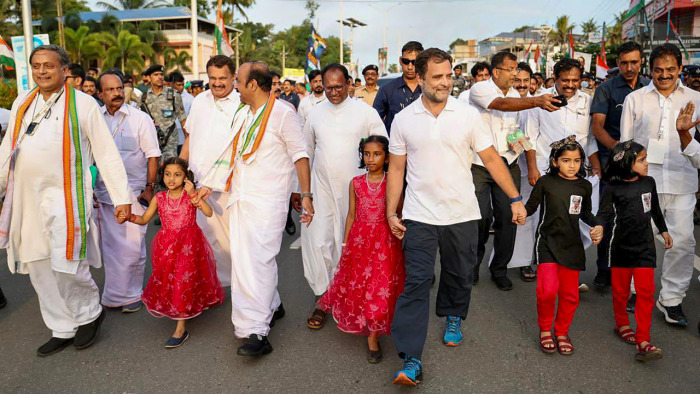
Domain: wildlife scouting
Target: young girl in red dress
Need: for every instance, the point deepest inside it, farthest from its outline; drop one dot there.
(183, 282)
(370, 274)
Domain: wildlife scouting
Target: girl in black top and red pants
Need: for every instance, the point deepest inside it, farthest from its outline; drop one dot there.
(565, 197)
(628, 205)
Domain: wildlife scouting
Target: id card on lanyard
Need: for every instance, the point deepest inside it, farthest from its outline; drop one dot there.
(657, 147)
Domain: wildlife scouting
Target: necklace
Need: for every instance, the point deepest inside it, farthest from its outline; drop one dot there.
(168, 205)
(379, 185)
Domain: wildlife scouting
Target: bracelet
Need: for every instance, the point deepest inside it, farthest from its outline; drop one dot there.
(309, 195)
(392, 215)
(132, 218)
(152, 185)
(516, 199)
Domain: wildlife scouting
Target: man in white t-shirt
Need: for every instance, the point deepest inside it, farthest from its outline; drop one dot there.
(435, 139)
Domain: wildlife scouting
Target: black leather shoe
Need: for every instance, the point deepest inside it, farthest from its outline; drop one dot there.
(87, 333)
(602, 280)
(374, 356)
(3, 300)
(257, 345)
(279, 313)
(290, 227)
(502, 282)
(54, 345)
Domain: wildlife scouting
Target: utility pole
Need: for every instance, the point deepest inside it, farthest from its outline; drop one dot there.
(28, 38)
(284, 57)
(194, 25)
(341, 31)
(61, 33)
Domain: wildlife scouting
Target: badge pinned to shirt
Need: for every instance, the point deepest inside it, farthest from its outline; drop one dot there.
(646, 202)
(575, 205)
(167, 113)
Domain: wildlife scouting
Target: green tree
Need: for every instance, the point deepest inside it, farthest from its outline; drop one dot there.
(83, 46)
(176, 60)
(561, 29)
(522, 29)
(204, 7)
(459, 41)
(236, 5)
(125, 51)
(614, 32)
(311, 6)
(149, 32)
(132, 4)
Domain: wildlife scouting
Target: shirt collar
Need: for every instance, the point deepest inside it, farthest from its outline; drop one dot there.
(619, 81)
(500, 92)
(652, 87)
(230, 96)
(124, 109)
(553, 91)
(420, 108)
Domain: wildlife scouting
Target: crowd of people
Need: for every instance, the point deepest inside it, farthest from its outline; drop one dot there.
(382, 178)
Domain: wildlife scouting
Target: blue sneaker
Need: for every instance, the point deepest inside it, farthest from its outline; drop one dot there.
(453, 334)
(411, 374)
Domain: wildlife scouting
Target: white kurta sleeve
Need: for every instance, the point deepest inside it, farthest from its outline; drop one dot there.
(691, 152)
(6, 147)
(148, 138)
(627, 120)
(293, 137)
(109, 161)
(374, 122)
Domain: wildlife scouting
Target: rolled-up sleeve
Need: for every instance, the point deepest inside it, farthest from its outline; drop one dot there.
(148, 139)
(482, 95)
(293, 137)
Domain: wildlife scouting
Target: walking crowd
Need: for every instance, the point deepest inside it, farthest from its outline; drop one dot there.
(382, 177)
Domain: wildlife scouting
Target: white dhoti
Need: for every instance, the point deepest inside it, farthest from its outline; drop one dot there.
(67, 301)
(216, 230)
(255, 243)
(124, 256)
(677, 268)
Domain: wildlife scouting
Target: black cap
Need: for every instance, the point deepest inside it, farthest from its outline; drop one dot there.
(587, 75)
(694, 71)
(154, 68)
(198, 83)
(370, 67)
(459, 66)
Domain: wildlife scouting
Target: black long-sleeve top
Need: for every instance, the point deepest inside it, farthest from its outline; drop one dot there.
(563, 202)
(626, 211)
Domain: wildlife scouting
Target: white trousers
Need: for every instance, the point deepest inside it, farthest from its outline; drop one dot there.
(67, 301)
(216, 230)
(123, 249)
(677, 268)
(255, 242)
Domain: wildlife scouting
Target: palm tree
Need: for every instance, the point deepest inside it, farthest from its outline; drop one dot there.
(132, 4)
(176, 60)
(126, 51)
(149, 32)
(239, 5)
(588, 27)
(82, 46)
(562, 28)
(614, 32)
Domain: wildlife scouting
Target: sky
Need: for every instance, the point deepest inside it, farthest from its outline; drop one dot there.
(435, 23)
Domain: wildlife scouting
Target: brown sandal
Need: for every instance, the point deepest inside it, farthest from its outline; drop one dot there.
(648, 353)
(317, 319)
(565, 347)
(546, 340)
(627, 335)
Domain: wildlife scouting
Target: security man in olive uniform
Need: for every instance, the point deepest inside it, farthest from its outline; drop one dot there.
(459, 84)
(164, 105)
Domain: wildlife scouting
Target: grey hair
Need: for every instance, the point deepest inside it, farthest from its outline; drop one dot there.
(63, 57)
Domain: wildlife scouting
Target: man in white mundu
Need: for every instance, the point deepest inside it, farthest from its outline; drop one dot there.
(46, 223)
(265, 148)
(333, 130)
(123, 246)
(209, 127)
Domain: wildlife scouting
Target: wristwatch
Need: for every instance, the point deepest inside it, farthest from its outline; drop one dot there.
(516, 199)
(153, 185)
(309, 195)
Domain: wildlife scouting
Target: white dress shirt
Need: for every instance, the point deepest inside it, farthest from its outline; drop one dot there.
(187, 100)
(137, 141)
(307, 104)
(464, 96)
(439, 154)
(499, 123)
(646, 115)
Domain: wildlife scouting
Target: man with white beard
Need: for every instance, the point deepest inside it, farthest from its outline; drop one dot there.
(333, 130)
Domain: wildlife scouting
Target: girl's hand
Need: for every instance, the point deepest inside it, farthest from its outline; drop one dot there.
(597, 234)
(307, 211)
(189, 188)
(668, 241)
(397, 227)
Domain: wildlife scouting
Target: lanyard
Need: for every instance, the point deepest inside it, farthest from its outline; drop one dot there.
(36, 119)
(114, 132)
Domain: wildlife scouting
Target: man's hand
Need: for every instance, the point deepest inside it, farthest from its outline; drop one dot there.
(519, 212)
(546, 101)
(533, 174)
(597, 234)
(189, 189)
(397, 227)
(596, 171)
(202, 194)
(296, 201)
(685, 118)
(146, 195)
(122, 213)
(307, 212)
(668, 241)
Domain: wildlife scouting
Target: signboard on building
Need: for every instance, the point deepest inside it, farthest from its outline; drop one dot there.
(18, 46)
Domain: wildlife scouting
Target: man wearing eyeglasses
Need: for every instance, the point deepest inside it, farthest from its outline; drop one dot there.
(333, 130)
(401, 92)
(76, 76)
(123, 246)
(368, 92)
(499, 104)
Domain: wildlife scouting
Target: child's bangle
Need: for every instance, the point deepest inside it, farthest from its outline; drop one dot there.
(132, 218)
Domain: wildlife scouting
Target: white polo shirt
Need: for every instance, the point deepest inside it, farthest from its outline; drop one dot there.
(498, 123)
(439, 154)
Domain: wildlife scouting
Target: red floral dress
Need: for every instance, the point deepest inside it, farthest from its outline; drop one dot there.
(370, 275)
(184, 281)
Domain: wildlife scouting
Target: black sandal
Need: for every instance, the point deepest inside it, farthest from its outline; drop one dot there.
(527, 274)
(317, 319)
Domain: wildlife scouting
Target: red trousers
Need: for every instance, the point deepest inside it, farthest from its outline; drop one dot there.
(644, 285)
(556, 280)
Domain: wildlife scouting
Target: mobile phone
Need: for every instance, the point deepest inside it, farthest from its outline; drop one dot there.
(561, 98)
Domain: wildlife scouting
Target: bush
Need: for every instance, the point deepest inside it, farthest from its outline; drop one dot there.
(8, 93)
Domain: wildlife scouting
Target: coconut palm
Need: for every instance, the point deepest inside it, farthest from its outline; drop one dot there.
(562, 28)
(82, 46)
(132, 4)
(239, 5)
(149, 32)
(176, 60)
(125, 51)
(614, 32)
(588, 27)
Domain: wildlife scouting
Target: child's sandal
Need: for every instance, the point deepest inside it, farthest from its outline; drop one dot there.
(565, 347)
(547, 344)
(648, 352)
(627, 335)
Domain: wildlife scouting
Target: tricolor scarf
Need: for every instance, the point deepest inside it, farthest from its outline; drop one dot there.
(246, 143)
(73, 178)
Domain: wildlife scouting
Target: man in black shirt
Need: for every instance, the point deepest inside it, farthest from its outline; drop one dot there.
(288, 94)
(606, 111)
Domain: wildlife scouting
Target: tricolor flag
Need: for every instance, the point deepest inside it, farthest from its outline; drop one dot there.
(570, 52)
(601, 67)
(527, 54)
(223, 47)
(314, 50)
(678, 37)
(537, 56)
(7, 57)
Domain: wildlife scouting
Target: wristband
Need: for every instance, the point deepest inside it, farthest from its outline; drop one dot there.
(309, 195)
(132, 218)
(516, 199)
(391, 216)
(152, 185)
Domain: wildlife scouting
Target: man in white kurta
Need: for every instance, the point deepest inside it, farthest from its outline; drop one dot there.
(209, 127)
(649, 117)
(37, 235)
(123, 246)
(333, 130)
(317, 96)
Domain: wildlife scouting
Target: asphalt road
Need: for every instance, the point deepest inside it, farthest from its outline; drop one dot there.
(500, 352)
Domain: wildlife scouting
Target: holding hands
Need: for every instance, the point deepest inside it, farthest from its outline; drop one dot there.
(519, 212)
(597, 234)
(668, 241)
(397, 227)
(307, 211)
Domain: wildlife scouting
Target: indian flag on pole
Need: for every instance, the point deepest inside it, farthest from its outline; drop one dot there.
(527, 53)
(223, 46)
(7, 57)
